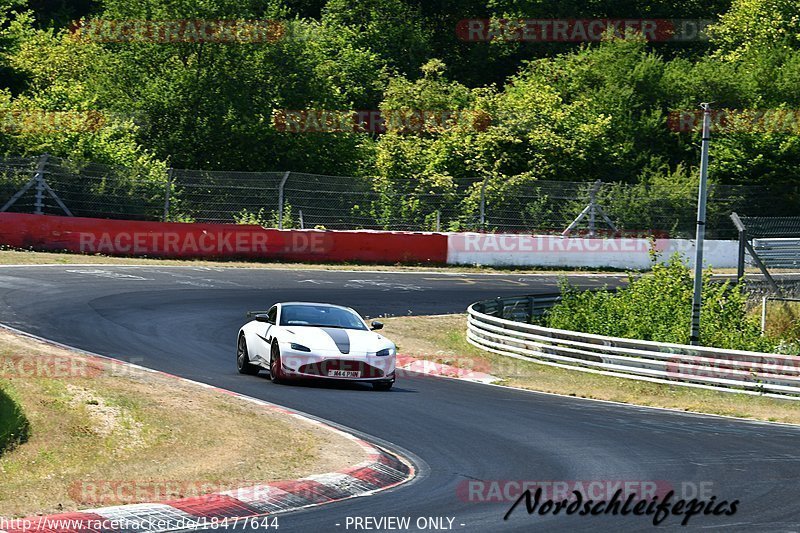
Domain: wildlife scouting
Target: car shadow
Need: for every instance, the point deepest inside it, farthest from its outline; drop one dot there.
(331, 385)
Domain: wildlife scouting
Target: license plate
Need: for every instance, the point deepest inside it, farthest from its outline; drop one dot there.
(344, 374)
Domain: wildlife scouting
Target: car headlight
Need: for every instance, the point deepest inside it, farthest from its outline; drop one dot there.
(385, 352)
(299, 347)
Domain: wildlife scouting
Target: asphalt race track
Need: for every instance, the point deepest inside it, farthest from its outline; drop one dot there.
(184, 321)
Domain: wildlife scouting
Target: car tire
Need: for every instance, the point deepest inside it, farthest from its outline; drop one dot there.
(243, 364)
(383, 385)
(275, 372)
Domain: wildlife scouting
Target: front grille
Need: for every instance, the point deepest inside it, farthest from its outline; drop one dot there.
(321, 368)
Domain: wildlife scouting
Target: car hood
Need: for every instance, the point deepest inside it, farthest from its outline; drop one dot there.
(338, 340)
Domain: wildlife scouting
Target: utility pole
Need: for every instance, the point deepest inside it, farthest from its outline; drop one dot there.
(702, 197)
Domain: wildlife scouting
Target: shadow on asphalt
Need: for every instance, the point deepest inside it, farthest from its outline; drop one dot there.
(331, 385)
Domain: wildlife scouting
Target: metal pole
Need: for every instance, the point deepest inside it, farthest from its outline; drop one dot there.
(740, 259)
(39, 205)
(763, 314)
(302, 226)
(167, 193)
(438, 221)
(592, 203)
(702, 194)
(18, 194)
(280, 199)
(483, 203)
(574, 223)
(749, 249)
(55, 197)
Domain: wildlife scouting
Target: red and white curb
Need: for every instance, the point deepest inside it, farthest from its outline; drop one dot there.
(381, 470)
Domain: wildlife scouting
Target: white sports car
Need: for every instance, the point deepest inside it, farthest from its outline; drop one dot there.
(317, 341)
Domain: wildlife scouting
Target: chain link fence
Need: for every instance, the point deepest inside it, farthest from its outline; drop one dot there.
(50, 185)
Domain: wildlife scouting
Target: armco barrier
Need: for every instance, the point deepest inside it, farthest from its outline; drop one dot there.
(178, 240)
(503, 326)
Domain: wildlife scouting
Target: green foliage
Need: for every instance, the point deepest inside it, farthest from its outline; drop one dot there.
(541, 111)
(268, 219)
(658, 307)
(753, 24)
(258, 218)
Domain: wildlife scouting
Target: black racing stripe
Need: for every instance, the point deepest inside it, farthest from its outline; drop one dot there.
(340, 337)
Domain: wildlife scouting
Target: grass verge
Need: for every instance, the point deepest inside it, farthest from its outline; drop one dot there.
(443, 339)
(102, 434)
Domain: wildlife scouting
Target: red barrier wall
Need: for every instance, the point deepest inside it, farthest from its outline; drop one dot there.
(177, 240)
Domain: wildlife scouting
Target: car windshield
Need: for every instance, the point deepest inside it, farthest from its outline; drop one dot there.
(320, 316)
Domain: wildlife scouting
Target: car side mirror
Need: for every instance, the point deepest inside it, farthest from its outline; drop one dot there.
(263, 318)
(377, 325)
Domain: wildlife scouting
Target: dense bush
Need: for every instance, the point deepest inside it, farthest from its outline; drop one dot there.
(658, 307)
(14, 427)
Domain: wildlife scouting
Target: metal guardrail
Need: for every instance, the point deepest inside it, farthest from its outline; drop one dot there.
(778, 253)
(503, 326)
(518, 308)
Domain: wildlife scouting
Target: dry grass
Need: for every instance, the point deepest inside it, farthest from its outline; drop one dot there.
(91, 423)
(443, 339)
(17, 257)
(783, 319)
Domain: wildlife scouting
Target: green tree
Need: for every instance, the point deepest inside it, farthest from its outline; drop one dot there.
(754, 24)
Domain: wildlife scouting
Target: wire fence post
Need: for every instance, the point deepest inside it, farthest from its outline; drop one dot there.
(167, 194)
(593, 206)
(737, 221)
(438, 221)
(31, 182)
(280, 199)
(483, 203)
(742, 245)
(40, 185)
(591, 209)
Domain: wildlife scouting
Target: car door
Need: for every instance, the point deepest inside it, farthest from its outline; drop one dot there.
(265, 331)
